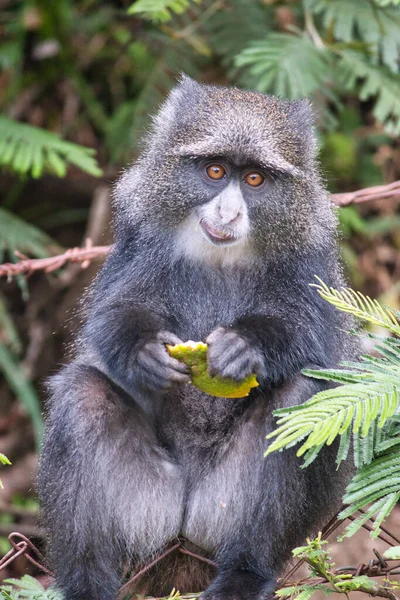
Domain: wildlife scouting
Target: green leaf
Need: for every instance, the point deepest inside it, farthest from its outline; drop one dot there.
(28, 587)
(330, 413)
(235, 25)
(376, 83)
(16, 234)
(32, 151)
(360, 306)
(4, 461)
(175, 58)
(22, 388)
(287, 65)
(392, 553)
(377, 484)
(377, 28)
(159, 10)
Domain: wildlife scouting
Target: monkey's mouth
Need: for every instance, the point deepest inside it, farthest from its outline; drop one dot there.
(215, 236)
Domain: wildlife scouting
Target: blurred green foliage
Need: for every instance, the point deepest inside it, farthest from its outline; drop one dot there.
(81, 77)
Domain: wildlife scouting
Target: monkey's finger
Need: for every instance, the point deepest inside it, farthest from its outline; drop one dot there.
(221, 355)
(166, 337)
(215, 335)
(237, 370)
(163, 359)
(177, 365)
(226, 351)
(171, 379)
(155, 356)
(177, 377)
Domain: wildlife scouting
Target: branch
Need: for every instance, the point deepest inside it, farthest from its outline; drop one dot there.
(26, 266)
(392, 190)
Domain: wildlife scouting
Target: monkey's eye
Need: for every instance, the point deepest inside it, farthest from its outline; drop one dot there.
(215, 171)
(255, 179)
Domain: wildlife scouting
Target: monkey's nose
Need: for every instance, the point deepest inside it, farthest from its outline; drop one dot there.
(229, 217)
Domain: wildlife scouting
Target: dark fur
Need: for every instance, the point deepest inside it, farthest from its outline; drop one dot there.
(134, 456)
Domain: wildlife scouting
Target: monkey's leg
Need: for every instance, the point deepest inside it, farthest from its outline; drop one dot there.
(107, 490)
(265, 507)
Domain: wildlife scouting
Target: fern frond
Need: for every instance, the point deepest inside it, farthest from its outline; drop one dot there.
(8, 331)
(387, 2)
(22, 388)
(367, 399)
(235, 25)
(3, 461)
(287, 65)
(28, 587)
(159, 10)
(330, 413)
(377, 27)
(377, 484)
(175, 59)
(17, 234)
(362, 307)
(377, 82)
(31, 150)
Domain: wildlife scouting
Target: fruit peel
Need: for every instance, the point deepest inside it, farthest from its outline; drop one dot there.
(194, 355)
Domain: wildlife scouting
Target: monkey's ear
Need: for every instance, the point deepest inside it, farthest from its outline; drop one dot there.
(186, 81)
(175, 107)
(185, 92)
(303, 117)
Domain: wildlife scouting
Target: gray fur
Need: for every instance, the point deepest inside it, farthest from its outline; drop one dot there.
(134, 456)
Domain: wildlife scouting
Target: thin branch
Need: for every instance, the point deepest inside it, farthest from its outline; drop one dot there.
(26, 266)
(312, 30)
(85, 255)
(377, 192)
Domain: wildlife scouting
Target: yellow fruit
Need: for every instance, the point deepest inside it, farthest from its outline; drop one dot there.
(194, 355)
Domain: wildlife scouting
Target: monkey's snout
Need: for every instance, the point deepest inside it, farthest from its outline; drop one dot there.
(229, 218)
(216, 235)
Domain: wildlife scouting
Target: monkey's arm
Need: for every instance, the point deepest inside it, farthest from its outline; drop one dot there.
(130, 341)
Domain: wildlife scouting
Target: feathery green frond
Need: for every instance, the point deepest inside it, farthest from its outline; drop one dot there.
(392, 553)
(22, 388)
(16, 234)
(27, 587)
(376, 484)
(387, 2)
(3, 461)
(331, 412)
(287, 65)
(237, 25)
(377, 27)
(363, 410)
(377, 82)
(32, 151)
(362, 307)
(176, 59)
(159, 10)
(8, 331)
(357, 410)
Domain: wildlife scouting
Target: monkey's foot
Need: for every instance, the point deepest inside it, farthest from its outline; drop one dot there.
(240, 585)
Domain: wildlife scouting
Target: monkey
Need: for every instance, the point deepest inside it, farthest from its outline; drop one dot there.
(221, 225)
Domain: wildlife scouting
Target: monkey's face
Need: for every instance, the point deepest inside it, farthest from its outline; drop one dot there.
(224, 220)
(225, 203)
(228, 174)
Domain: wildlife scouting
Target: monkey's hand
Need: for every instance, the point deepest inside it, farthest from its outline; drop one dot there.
(232, 355)
(155, 369)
